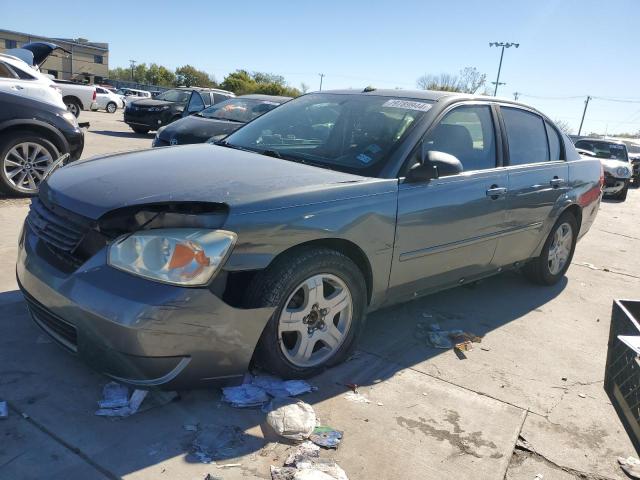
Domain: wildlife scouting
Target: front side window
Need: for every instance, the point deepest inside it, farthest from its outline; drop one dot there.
(604, 149)
(351, 133)
(179, 96)
(195, 103)
(526, 136)
(467, 133)
(238, 109)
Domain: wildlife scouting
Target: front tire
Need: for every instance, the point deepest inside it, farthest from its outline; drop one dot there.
(140, 130)
(556, 254)
(320, 299)
(111, 107)
(23, 161)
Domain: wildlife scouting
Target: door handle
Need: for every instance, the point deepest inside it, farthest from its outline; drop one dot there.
(555, 182)
(17, 87)
(495, 192)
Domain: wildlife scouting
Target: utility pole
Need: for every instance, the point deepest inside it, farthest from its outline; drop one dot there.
(584, 112)
(133, 65)
(503, 45)
(515, 96)
(321, 77)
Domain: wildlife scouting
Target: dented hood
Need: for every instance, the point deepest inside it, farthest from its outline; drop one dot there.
(244, 181)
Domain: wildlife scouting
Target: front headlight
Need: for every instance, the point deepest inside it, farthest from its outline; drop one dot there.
(159, 109)
(622, 171)
(179, 256)
(70, 117)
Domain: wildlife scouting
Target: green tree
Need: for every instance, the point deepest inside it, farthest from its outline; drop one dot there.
(140, 73)
(263, 77)
(239, 82)
(190, 76)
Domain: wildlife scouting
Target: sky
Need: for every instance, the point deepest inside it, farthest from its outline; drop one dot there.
(568, 48)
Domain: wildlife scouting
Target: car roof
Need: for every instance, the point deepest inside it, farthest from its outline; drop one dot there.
(266, 98)
(202, 89)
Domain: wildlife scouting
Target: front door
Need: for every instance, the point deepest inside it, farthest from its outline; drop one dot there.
(538, 177)
(447, 228)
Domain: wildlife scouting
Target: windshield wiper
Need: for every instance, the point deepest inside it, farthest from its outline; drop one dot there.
(271, 153)
(224, 143)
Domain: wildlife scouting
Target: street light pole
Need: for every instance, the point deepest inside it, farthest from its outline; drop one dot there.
(133, 64)
(503, 45)
(321, 77)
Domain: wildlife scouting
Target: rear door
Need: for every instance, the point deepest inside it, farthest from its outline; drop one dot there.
(538, 178)
(447, 228)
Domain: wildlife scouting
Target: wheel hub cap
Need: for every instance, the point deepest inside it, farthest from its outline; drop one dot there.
(315, 320)
(560, 248)
(24, 166)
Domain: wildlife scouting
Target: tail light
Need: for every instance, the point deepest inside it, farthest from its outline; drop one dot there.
(601, 176)
(94, 94)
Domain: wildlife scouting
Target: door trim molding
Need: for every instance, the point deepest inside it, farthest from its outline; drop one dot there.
(464, 243)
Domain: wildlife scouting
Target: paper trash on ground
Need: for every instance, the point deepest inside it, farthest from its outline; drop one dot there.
(292, 418)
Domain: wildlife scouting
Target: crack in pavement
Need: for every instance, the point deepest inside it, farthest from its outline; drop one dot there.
(591, 266)
(522, 445)
(620, 234)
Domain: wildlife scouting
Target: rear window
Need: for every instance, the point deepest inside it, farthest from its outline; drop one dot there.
(526, 136)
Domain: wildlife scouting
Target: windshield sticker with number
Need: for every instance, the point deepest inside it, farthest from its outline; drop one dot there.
(408, 105)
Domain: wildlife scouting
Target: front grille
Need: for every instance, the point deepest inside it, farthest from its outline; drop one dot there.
(61, 331)
(62, 231)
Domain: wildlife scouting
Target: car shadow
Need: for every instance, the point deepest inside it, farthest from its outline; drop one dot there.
(131, 134)
(389, 345)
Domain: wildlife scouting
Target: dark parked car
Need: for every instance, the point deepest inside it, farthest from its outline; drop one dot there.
(153, 113)
(182, 265)
(33, 134)
(218, 120)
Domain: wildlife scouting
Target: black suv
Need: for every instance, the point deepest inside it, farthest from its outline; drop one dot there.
(33, 134)
(153, 113)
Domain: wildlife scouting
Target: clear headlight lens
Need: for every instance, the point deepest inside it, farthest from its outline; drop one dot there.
(159, 109)
(622, 171)
(180, 256)
(70, 117)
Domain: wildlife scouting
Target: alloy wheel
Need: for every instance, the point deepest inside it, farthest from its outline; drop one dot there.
(560, 248)
(25, 164)
(73, 108)
(315, 320)
(111, 107)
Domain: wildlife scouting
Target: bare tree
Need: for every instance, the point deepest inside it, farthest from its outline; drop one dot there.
(304, 87)
(563, 126)
(469, 80)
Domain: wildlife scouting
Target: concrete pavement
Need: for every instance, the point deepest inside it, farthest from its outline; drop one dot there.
(439, 416)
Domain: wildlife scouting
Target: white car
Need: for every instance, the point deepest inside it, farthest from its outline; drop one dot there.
(108, 100)
(16, 76)
(129, 95)
(615, 164)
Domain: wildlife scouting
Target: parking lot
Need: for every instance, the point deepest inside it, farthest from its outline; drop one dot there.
(527, 400)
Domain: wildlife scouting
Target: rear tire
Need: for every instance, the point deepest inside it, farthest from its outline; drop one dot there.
(73, 106)
(542, 270)
(140, 130)
(111, 107)
(12, 166)
(339, 317)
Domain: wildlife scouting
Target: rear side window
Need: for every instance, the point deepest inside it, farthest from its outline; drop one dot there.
(467, 133)
(555, 152)
(23, 75)
(526, 136)
(6, 72)
(206, 96)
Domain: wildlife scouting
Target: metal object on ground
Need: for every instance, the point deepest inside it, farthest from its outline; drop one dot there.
(622, 370)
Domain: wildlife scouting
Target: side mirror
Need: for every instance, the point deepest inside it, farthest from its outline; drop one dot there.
(434, 165)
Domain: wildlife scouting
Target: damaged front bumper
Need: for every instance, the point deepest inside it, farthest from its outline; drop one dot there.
(613, 185)
(134, 330)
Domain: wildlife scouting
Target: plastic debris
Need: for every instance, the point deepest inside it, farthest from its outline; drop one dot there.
(228, 465)
(310, 468)
(282, 388)
(244, 396)
(539, 476)
(305, 449)
(326, 437)
(292, 418)
(631, 466)
(4, 410)
(211, 477)
(356, 397)
(214, 442)
(117, 403)
(582, 395)
(114, 395)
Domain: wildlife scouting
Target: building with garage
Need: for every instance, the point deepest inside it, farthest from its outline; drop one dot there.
(87, 62)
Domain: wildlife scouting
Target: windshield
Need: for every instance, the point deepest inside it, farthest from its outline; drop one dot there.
(350, 133)
(604, 149)
(180, 96)
(238, 109)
